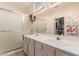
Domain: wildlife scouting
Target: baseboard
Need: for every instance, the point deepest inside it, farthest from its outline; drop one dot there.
(11, 52)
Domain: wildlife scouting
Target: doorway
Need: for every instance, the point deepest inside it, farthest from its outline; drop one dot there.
(59, 26)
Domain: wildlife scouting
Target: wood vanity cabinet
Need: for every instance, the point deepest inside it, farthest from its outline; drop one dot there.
(38, 52)
(43, 50)
(62, 53)
(50, 51)
(35, 48)
(24, 44)
(38, 49)
(30, 47)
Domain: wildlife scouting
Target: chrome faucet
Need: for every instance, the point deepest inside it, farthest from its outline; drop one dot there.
(58, 38)
(31, 31)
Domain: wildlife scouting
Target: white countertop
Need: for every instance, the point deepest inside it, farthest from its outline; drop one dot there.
(67, 44)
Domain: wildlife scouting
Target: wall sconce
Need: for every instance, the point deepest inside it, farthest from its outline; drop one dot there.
(32, 18)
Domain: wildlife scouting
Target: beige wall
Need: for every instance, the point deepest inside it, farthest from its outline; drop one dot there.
(22, 7)
(14, 7)
(66, 10)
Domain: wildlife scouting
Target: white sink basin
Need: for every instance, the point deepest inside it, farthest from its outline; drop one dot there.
(60, 42)
(67, 43)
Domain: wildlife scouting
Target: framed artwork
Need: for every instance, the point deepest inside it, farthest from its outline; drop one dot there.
(71, 29)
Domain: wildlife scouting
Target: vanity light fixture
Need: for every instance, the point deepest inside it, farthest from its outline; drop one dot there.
(32, 18)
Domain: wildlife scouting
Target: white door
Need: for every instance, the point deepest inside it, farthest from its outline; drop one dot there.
(10, 31)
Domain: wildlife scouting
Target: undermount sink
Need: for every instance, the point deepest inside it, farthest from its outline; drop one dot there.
(67, 43)
(60, 42)
(64, 42)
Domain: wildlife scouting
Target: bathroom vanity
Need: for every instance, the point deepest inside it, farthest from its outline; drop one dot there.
(48, 45)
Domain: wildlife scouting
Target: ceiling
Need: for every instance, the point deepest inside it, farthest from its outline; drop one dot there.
(22, 4)
(22, 7)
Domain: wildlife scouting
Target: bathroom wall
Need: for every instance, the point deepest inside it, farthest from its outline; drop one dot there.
(12, 6)
(66, 10)
(23, 7)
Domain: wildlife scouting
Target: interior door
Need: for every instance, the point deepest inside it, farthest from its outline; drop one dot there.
(59, 26)
(10, 31)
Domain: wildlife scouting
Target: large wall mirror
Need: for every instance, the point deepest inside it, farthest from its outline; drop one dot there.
(40, 25)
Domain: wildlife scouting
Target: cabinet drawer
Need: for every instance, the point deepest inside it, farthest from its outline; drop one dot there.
(38, 45)
(48, 50)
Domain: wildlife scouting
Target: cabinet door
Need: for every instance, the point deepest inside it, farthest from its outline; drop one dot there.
(38, 49)
(24, 43)
(31, 47)
(48, 50)
(38, 52)
(38, 45)
(61, 53)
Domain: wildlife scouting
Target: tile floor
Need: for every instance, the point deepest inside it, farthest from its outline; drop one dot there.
(21, 53)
